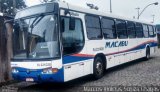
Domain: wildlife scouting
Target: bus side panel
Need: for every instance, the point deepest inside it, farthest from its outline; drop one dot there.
(127, 51)
(110, 51)
(132, 46)
(77, 65)
(72, 71)
(154, 45)
(95, 47)
(151, 42)
(141, 50)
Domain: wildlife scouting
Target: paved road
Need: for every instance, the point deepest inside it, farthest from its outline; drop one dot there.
(136, 73)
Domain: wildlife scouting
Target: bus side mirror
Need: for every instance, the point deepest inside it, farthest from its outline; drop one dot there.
(62, 25)
(72, 24)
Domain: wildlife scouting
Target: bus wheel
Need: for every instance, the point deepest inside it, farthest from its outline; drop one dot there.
(147, 53)
(98, 68)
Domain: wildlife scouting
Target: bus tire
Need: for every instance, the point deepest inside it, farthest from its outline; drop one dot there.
(98, 68)
(147, 57)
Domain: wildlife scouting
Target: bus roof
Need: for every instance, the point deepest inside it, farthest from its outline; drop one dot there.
(96, 12)
(65, 5)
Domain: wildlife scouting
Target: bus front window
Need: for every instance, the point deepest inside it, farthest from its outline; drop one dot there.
(36, 38)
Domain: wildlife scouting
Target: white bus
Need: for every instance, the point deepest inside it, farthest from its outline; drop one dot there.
(59, 42)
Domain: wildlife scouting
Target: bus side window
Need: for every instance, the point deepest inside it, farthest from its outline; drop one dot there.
(155, 31)
(131, 29)
(108, 28)
(145, 31)
(139, 30)
(72, 40)
(93, 27)
(121, 29)
(151, 31)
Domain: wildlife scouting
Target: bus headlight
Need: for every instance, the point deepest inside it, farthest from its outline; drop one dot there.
(49, 70)
(14, 70)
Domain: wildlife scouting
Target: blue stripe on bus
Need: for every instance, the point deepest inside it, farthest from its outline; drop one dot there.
(72, 59)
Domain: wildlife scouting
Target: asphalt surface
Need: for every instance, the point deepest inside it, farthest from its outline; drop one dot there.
(135, 73)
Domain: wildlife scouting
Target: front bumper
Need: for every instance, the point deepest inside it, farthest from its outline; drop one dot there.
(38, 76)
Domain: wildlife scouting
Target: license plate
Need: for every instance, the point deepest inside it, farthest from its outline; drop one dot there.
(29, 79)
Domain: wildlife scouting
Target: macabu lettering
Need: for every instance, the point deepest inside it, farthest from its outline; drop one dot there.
(116, 44)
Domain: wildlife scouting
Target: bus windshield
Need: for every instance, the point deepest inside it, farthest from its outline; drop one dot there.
(36, 38)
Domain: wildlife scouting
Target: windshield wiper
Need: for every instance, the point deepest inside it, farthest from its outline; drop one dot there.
(34, 23)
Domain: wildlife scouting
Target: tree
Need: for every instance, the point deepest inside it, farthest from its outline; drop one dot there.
(8, 7)
(11, 6)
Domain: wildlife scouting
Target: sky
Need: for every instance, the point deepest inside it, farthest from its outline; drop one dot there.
(125, 8)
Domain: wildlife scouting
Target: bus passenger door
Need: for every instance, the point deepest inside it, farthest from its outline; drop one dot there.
(73, 42)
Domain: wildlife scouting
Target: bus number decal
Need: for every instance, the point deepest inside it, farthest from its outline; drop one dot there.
(44, 64)
(98, 49)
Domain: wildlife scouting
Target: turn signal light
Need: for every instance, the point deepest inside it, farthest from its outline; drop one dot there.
(54, 70)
